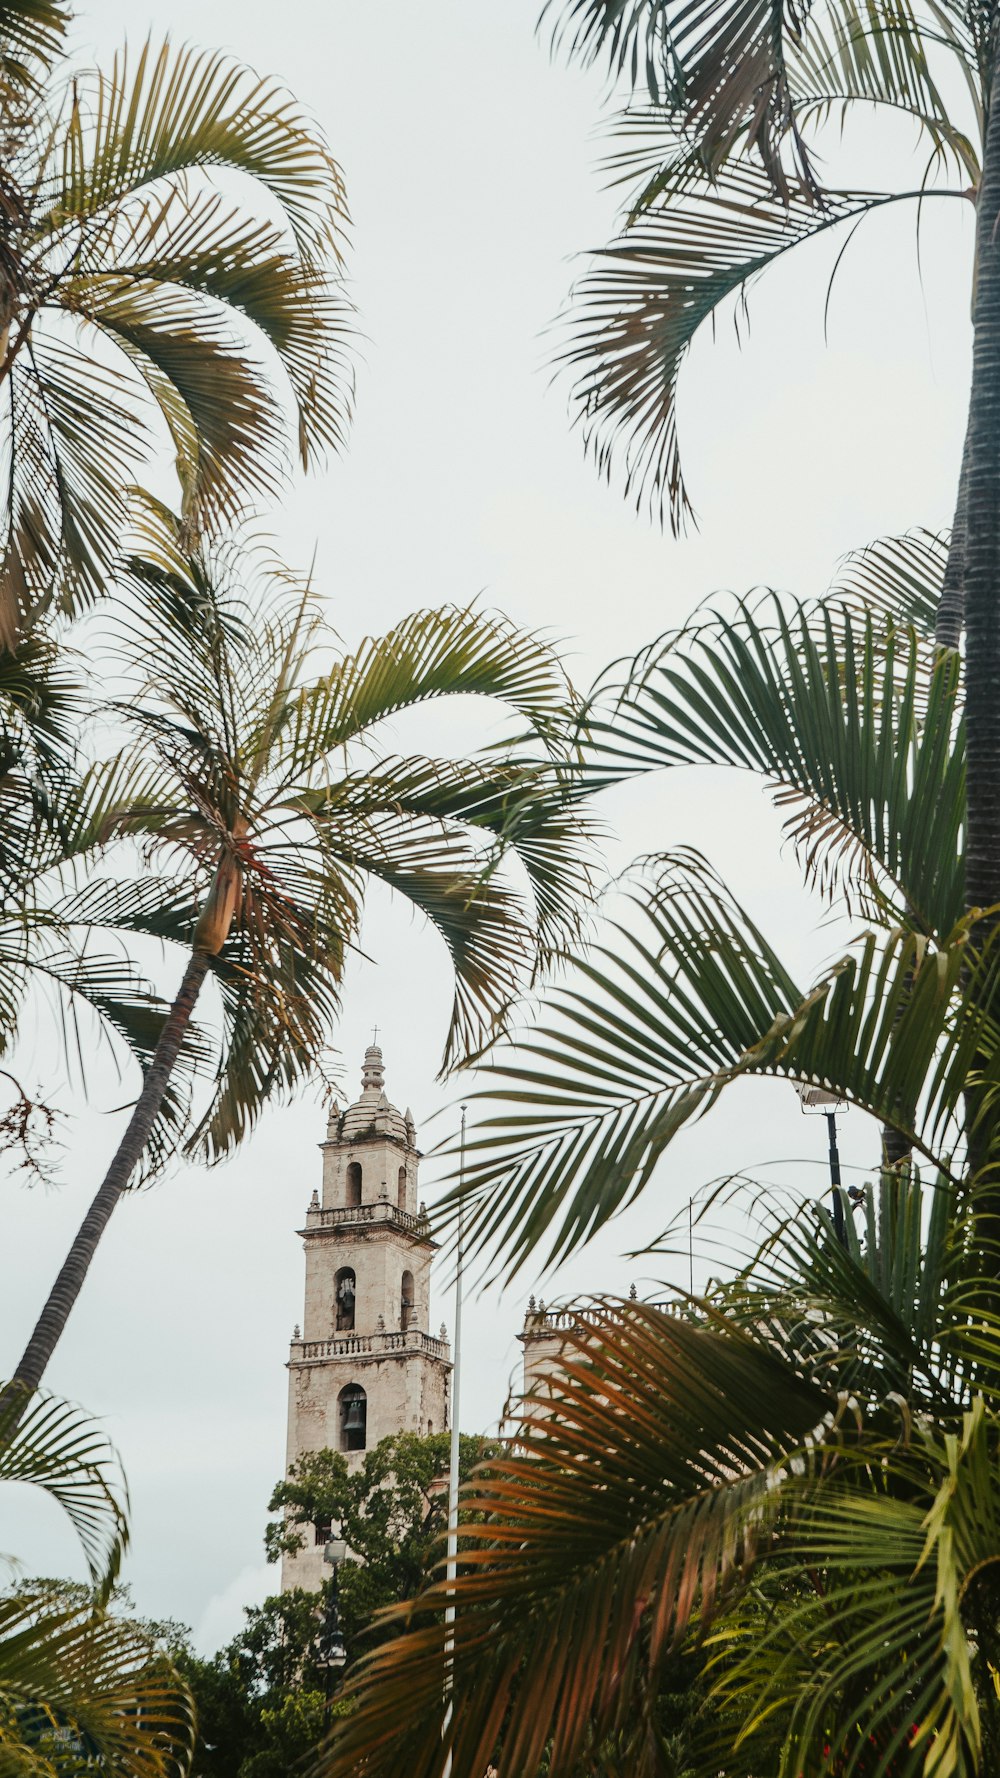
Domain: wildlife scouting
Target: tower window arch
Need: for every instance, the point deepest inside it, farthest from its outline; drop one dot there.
(401, 1189)
(354, 1184)
(344, 1292)
(406, 1301)
(352, 1403)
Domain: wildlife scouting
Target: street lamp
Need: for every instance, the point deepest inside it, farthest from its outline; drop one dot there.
(817, 1102)
(331, 1652)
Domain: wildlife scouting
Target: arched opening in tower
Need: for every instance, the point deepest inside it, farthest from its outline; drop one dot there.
(354, 1184)
(353, 1404)
(401, 1189)
(345, 1288)
(406, 1301)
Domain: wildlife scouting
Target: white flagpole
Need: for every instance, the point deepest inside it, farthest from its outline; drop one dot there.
(451, 1569)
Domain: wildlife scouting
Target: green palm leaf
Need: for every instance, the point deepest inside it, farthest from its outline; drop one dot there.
(32, 33)
(855, 725)
(82, 1688)
(52, 1446)
(184, 304)
(636, 312)
(647, 1035)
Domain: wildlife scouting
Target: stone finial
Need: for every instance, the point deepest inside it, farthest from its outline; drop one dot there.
(632, 1293)
(373, 1073)
(411, 1128)
(423, 1212)
(383, 1190)
(296, 1332)
(443, 1332)
(333, 1121)
(380, 1324)
(531, 1305)
(314, 1200)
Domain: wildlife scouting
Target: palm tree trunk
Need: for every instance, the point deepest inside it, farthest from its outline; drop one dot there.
(982, 537)
(981, 587)
(69, 1283)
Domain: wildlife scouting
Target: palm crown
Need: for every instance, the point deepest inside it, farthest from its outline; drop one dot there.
(144, 304)
(258, 788)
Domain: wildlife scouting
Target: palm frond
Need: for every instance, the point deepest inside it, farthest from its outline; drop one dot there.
(50, 1444)
(636, 311)
(82, 1685)
(722, 71)
(155, 115)
(897, 579)
(561, 1605)
(853, 721)
(32, 35)
(432, 654)
(531, 810)
(650, 1030)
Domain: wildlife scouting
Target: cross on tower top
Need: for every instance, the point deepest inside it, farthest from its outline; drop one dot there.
(374, 1034)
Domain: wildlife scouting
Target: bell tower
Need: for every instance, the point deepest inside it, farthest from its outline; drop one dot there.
(365, 1364)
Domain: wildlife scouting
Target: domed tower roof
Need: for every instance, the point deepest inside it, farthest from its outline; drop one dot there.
(372, 1114)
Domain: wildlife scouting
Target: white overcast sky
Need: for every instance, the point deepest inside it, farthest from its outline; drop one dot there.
(471, 165)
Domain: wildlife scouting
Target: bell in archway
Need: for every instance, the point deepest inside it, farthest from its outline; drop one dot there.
(354, 1418)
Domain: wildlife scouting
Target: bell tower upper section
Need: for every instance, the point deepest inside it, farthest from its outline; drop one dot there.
(370, 1154)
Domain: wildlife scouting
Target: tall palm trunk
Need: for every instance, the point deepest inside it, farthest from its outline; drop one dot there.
(69, 1283)
(981, 574)
(981, 566)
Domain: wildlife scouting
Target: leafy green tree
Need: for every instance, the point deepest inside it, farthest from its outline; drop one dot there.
(148, 304)
(392, 1512)
(261, 1701)
(259, 785)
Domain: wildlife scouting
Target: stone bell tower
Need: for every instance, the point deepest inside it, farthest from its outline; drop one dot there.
(366, 1364)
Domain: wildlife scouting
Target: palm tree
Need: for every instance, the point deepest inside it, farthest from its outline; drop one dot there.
(260, 787)
(853, 717)
(725, 160)
(798, 1474)
(146, 305)
(78, 1686)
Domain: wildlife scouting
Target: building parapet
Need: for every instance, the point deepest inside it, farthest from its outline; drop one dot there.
(381, 1211)
(541, 1323)
(376, 1345)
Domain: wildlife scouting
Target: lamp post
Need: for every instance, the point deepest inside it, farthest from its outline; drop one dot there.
(331, 1652)
(451, 1568)
(817, 1102)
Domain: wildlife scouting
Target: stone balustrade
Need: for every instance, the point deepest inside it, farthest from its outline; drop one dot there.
(380, 1211)
(543, 1324)
(375, 1345)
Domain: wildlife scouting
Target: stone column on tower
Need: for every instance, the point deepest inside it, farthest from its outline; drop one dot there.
(366, 1363)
